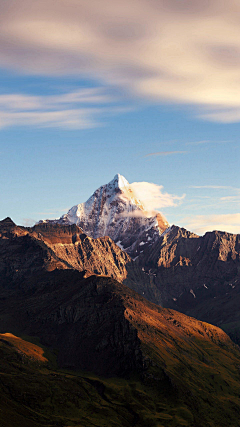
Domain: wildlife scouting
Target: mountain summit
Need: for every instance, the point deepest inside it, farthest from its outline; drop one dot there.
(113, 210)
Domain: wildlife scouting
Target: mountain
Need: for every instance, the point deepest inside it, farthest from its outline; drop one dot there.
(49, 246)
(46, 247)
(114, 358)
(113, 210)
(171, 370)
(198, 275)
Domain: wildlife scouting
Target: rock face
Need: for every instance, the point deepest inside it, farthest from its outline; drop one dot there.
(181, 261)
(45, 247)
(199, 276)
(113, 210)
(22, 255)
(71, 245)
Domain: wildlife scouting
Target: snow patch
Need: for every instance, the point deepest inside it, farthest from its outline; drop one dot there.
(166, 231)
(120, 246)
(191, 291)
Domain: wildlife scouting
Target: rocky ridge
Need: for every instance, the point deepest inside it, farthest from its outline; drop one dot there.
(181, 261)
(197, 275)
(46, 247)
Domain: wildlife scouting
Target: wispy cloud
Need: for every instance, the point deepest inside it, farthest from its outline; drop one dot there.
(184, 52)
(200, 224)
(206, 142)
(164, 153)
(28, 222)
(221, 195)
(74, 110)
(197, 142)
(224, 116)
(153, 197)
(53, 212)
(215, 187)
(231, 198)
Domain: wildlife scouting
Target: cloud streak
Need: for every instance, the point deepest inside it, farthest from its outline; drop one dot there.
(204, 142)
(215, 187)
(200, 224)
(164, 153)
(168, 51)
(74, 110)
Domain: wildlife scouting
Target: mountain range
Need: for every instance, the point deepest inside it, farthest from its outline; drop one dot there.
(94, 311)
(171, 266)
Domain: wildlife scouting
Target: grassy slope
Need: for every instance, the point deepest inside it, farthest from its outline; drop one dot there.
(34, 395)
(187, 385)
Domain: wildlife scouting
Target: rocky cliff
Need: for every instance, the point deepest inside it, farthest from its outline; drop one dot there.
(45, 247)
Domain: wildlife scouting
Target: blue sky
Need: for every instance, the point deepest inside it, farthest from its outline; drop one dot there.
(146, 89)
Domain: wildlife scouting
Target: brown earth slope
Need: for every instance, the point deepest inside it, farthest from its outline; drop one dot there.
(101, 326)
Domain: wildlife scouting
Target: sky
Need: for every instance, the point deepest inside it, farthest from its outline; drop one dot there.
(149, 89)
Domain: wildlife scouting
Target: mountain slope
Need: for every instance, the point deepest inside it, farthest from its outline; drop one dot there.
(181, 262)
(182, 372)
(45, 247)
(198, 275)
(113, 210)
(177, 371)
(81, 252)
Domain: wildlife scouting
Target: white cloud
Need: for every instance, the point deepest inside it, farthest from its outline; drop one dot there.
(233, 199)
(88, 96)
(69, 119)
(225, 116)
(152, 196)
(136, 214)
(200, 224)
(74, 110)
(184, 51)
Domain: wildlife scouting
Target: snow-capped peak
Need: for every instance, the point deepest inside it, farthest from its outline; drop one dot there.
(113, 210)
(119, 182)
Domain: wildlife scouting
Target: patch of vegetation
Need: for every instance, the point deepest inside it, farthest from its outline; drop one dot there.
(36, 395)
